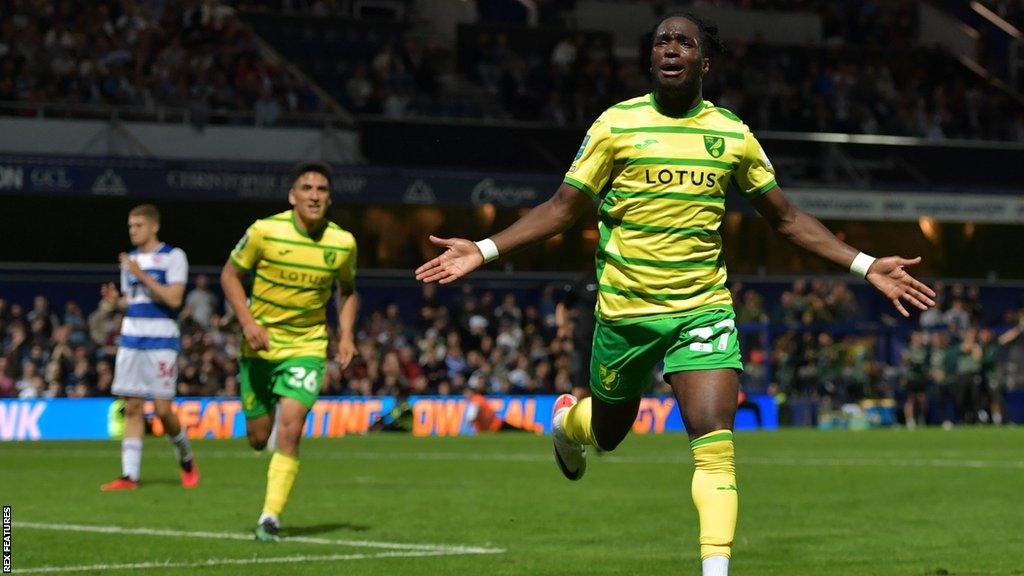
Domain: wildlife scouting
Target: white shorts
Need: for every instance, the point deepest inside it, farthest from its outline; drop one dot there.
(142, 373)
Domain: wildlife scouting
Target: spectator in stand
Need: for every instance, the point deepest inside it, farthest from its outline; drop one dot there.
(751, 308)
(104, 378)
(266, 110)
(40, 316)
(36, 389)
(74, 322)
(8, 387)
(789, 311)
(968, 377)
(201, 303)
(956, 318)
(1010, 369)
(29, 371)
(914, 361)
(990, 404)
(942, 368)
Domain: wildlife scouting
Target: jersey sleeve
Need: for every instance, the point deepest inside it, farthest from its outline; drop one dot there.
(592, 166)
(755, 174)
(177, 268)
(249, 248)
(347, 272)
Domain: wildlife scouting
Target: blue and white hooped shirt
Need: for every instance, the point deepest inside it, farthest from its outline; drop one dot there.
(150, 325)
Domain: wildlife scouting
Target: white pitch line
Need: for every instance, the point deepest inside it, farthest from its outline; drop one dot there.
(232, 562)
(897, 462)
(946, 462)
(438, 548)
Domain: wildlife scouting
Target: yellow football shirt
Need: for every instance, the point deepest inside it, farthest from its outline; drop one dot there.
(661, 182)
(293, 278)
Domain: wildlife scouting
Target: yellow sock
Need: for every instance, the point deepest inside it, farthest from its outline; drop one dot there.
(577, 423)
(280, 477)
(714, 492)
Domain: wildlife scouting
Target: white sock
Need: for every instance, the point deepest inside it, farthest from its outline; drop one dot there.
(182, 447)
(270, 517)
(131, 458)
(716, 566)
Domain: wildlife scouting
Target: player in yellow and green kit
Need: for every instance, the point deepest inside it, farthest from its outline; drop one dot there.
(658, 167)
(295, 258)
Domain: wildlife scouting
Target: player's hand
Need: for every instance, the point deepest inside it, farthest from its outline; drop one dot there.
(459, 259)
(346, 351)
(890, 278)
(256, 336)
(130, 264)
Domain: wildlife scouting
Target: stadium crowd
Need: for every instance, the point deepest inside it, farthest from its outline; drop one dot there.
(857, 84)
(808, 344)
(868, 77)
(952, 367)
(838, 87)
(190, 54)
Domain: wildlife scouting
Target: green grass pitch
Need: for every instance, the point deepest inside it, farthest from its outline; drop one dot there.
(927, 502)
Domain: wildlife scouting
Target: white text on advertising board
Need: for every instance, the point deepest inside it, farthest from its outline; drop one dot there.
(11, 178)
(487, 191)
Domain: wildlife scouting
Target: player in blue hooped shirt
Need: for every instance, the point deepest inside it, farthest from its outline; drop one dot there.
(153, 278)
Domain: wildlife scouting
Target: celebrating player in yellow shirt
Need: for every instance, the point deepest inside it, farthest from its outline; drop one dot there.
(658, 166)
(295, 258)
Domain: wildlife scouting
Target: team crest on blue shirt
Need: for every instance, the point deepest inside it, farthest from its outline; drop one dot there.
(715, 145)
(330, 256)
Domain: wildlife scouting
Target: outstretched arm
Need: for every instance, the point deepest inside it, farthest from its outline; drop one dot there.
(886, 274)
(462, 256)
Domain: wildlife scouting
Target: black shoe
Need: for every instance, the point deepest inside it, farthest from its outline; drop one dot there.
(267, 531)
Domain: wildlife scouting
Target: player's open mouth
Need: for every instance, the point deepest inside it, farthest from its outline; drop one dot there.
(671, 70)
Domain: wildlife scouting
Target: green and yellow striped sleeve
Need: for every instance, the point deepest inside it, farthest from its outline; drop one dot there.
(755, 174)
(592, 166)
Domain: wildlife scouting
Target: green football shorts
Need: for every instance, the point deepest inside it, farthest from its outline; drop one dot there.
(625, 354)
(262, 381)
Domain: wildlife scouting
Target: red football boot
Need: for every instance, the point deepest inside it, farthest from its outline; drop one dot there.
(122, 483)
(190, 478)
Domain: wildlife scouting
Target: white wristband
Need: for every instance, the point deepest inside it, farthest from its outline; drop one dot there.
(488, 248)
(861, 264)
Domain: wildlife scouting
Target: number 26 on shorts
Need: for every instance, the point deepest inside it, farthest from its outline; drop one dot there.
(304, 378)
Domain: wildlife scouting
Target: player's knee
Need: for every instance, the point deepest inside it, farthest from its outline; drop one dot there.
(696, 430)
(257, 439)
(133, 408)
(289, 431)
(163, 412)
